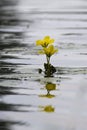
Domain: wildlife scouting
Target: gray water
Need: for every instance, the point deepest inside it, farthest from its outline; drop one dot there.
(24, 100)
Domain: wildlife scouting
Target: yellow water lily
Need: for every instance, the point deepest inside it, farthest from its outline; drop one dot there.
(45, 41)
(50, 50)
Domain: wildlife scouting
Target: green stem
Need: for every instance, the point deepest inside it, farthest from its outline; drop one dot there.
(48, 66)
(48, 59)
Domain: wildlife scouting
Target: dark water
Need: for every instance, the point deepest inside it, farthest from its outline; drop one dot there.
(25, 101)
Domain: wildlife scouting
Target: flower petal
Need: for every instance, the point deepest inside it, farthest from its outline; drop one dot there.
(50, 50)
(38, 42)
(46, 38)
(45, 41)
(54, 51)
(51, 40)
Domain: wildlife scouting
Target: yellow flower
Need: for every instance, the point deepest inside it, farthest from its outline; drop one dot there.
(45, 42)
(50, 50)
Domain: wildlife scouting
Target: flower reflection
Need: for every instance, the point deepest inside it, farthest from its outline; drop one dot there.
(49, 87)
(48, 108)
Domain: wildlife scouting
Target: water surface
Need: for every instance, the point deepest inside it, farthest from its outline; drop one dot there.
(25, 102)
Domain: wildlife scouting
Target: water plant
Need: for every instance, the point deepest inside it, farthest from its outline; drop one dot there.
(48, 49)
